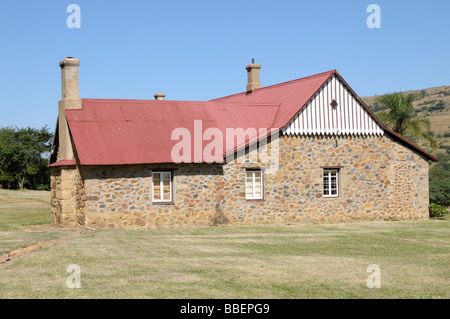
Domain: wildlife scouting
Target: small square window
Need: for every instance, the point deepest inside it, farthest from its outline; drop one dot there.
(162, 186)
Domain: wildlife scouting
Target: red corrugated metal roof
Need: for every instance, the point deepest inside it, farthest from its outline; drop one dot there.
(291, 96)
(114, 132)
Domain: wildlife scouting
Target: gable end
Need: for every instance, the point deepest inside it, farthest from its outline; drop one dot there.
(334, 110)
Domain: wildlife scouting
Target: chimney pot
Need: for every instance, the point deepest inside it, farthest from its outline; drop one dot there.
(159, 96)
(253, 76)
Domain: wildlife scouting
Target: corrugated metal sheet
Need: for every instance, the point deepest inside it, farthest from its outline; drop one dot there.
(113, 132)
(63, 163)
(291, 96)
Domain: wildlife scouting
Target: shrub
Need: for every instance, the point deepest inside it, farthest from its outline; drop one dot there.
(437, 210)
(437, 107)
(42, 187)
(439, 186)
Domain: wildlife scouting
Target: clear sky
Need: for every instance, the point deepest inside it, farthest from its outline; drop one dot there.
(197, 50)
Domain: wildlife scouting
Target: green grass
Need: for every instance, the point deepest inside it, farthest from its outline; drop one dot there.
(298, 261)
(18, 211)
(23, 208)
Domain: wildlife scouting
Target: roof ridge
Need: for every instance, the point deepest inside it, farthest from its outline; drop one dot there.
(182, 101)
(281, 84)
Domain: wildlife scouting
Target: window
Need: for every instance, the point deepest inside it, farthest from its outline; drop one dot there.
(330, 182)
(254, 184)
(162, 186)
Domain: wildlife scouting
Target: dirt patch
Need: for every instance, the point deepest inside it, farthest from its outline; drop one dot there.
(35, 247)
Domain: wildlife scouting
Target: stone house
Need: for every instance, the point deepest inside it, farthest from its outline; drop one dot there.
(303, 151)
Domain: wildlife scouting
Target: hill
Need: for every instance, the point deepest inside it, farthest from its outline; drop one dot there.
(434, 104)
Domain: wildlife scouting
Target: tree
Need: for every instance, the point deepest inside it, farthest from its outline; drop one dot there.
(439, 186)
(23, 157)
(402, 119)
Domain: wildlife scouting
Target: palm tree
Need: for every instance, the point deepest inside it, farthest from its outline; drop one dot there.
(400, 116)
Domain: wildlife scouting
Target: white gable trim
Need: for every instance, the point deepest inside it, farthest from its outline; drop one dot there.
(319, 118)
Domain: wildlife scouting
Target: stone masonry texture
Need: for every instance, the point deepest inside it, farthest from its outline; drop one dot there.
(379, 179)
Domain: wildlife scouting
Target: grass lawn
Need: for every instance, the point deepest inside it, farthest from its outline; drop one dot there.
(299, 261)
(19, 212)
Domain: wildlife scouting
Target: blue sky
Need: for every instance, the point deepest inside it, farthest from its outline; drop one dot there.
(197, 50)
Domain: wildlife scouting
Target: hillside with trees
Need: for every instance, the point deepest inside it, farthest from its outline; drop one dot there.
(433, 104)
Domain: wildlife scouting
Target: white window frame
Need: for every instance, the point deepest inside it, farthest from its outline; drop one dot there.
(253, 196)
(327, 174)
(161, 187)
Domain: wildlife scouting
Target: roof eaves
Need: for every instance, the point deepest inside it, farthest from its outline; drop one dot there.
(63, 163)
(410, 145)
(390, 132)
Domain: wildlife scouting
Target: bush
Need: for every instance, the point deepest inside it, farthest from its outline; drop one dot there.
(439, 186)
(42, 187)
(437, 210)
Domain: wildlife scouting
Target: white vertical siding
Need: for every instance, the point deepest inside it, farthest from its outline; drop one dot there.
(319, 117)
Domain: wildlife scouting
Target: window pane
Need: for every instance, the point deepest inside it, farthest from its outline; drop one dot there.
(258, 186)
(166, 189)
(166, 195)
(249, 186)
(156, 192)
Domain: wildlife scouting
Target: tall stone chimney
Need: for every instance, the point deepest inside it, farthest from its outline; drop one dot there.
(69, 83)
(70, 99)
(253, 76)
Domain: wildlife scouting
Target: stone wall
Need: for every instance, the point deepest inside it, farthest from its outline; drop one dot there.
(120, 196)
(379, 180)
(56, 195)
(66, 196)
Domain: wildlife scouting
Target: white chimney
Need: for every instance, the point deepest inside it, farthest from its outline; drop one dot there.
(159, 96)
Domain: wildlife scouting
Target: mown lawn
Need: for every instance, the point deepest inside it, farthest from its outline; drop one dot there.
(19, 212)
(300, 261)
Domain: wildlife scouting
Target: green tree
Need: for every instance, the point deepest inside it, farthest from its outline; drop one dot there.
(440, 186)
(23, 157)
(401, 118)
